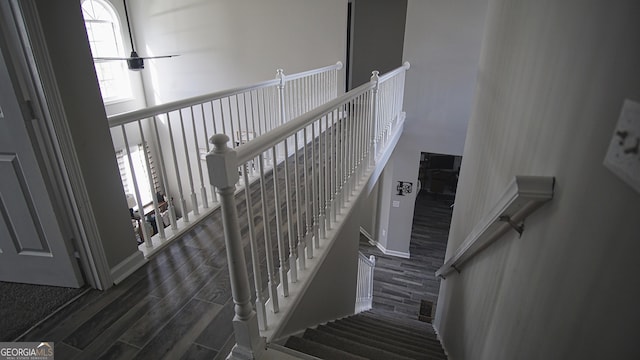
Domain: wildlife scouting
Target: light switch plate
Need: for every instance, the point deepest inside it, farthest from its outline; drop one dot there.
(623, 155)
(395, 203)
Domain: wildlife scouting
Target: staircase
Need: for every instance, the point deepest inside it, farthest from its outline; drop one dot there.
(369, 335)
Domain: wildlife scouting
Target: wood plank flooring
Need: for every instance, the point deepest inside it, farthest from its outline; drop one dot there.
(400, 284)
(178, 306)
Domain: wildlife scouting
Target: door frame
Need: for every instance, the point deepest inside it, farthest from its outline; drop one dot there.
(51, 138)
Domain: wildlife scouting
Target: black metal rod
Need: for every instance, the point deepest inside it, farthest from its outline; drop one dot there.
(126, 15)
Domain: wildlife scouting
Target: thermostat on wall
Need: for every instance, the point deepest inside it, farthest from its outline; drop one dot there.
(623, 156)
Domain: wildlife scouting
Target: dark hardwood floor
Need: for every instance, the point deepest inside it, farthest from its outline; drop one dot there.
(400, 284)
(178, 306)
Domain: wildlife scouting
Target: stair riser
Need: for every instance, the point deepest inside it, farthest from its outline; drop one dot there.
(380, 328)
(431, 350)
(401, 338)
(351, 346)
(412, 325)
(407, 328)
(319, 350)
(385, 345)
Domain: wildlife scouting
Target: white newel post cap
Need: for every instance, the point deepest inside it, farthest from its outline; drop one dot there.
(222, 163)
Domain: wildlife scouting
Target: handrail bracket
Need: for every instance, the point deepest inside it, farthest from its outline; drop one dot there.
(517, 227)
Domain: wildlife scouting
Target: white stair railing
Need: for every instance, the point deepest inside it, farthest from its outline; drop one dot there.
(364, 291)
(326, 153)
(163, 147)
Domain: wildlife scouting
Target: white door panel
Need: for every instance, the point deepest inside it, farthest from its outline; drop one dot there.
(32, 246)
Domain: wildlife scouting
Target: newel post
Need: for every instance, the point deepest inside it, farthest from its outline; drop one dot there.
(373, 152)
(223, 174)
(281, 107)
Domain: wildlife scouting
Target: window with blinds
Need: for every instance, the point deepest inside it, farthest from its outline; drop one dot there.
(141, 174)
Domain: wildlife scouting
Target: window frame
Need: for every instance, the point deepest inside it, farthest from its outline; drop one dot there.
(124, 88)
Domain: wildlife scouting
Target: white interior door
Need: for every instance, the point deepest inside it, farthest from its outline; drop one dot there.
(32, 247)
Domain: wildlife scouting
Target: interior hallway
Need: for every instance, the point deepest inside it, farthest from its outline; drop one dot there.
(179, 304)
(400, 284)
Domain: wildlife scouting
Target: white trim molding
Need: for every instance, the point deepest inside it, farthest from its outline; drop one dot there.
(366, 234)
(65, 171)
(127, 266)
(404, 255)
(523, 195)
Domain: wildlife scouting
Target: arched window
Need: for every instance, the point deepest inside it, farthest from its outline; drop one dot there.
(105, 39)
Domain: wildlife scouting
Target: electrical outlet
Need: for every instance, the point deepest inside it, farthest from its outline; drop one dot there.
(623, 155)
(384, 232)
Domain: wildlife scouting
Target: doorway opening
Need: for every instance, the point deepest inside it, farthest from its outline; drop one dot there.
(438, 174)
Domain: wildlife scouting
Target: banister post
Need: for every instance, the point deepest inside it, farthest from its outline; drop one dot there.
(223, 174)
(375, 80)
(281, 114)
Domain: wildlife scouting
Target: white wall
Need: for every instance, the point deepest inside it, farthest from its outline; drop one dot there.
(68, 48)
(442, 42)
(229, 43)
(332, 293)
(394, 229)
(369, 211)
(553, 77)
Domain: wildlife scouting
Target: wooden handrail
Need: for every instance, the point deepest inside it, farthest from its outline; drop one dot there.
(128, 117)
(263, 142)
(523, 196)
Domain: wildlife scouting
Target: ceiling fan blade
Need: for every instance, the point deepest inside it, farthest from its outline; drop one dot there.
(158, 57)
(102, 59)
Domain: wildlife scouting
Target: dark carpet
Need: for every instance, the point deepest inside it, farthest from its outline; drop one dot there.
(23, 306)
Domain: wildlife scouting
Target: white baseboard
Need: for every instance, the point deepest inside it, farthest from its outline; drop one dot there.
(127, 267)
(435, 329)
(368, 236)
(404, 255)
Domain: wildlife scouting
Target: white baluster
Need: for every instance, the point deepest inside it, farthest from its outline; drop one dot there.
(203, 189)
(307, 208)
(165, 179)
(314, 186)
(159, 224)
(327, 173)
(183, 203)
(372, 272)
(280, 76)
(145, 232)
(257, 278)
(232, 119)
(194, 200)
(301, 244)
(321, 179)
(281, 247)
(214, 195)
(268, 242)
(293, 268)
(334, 166)
(223, 173)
